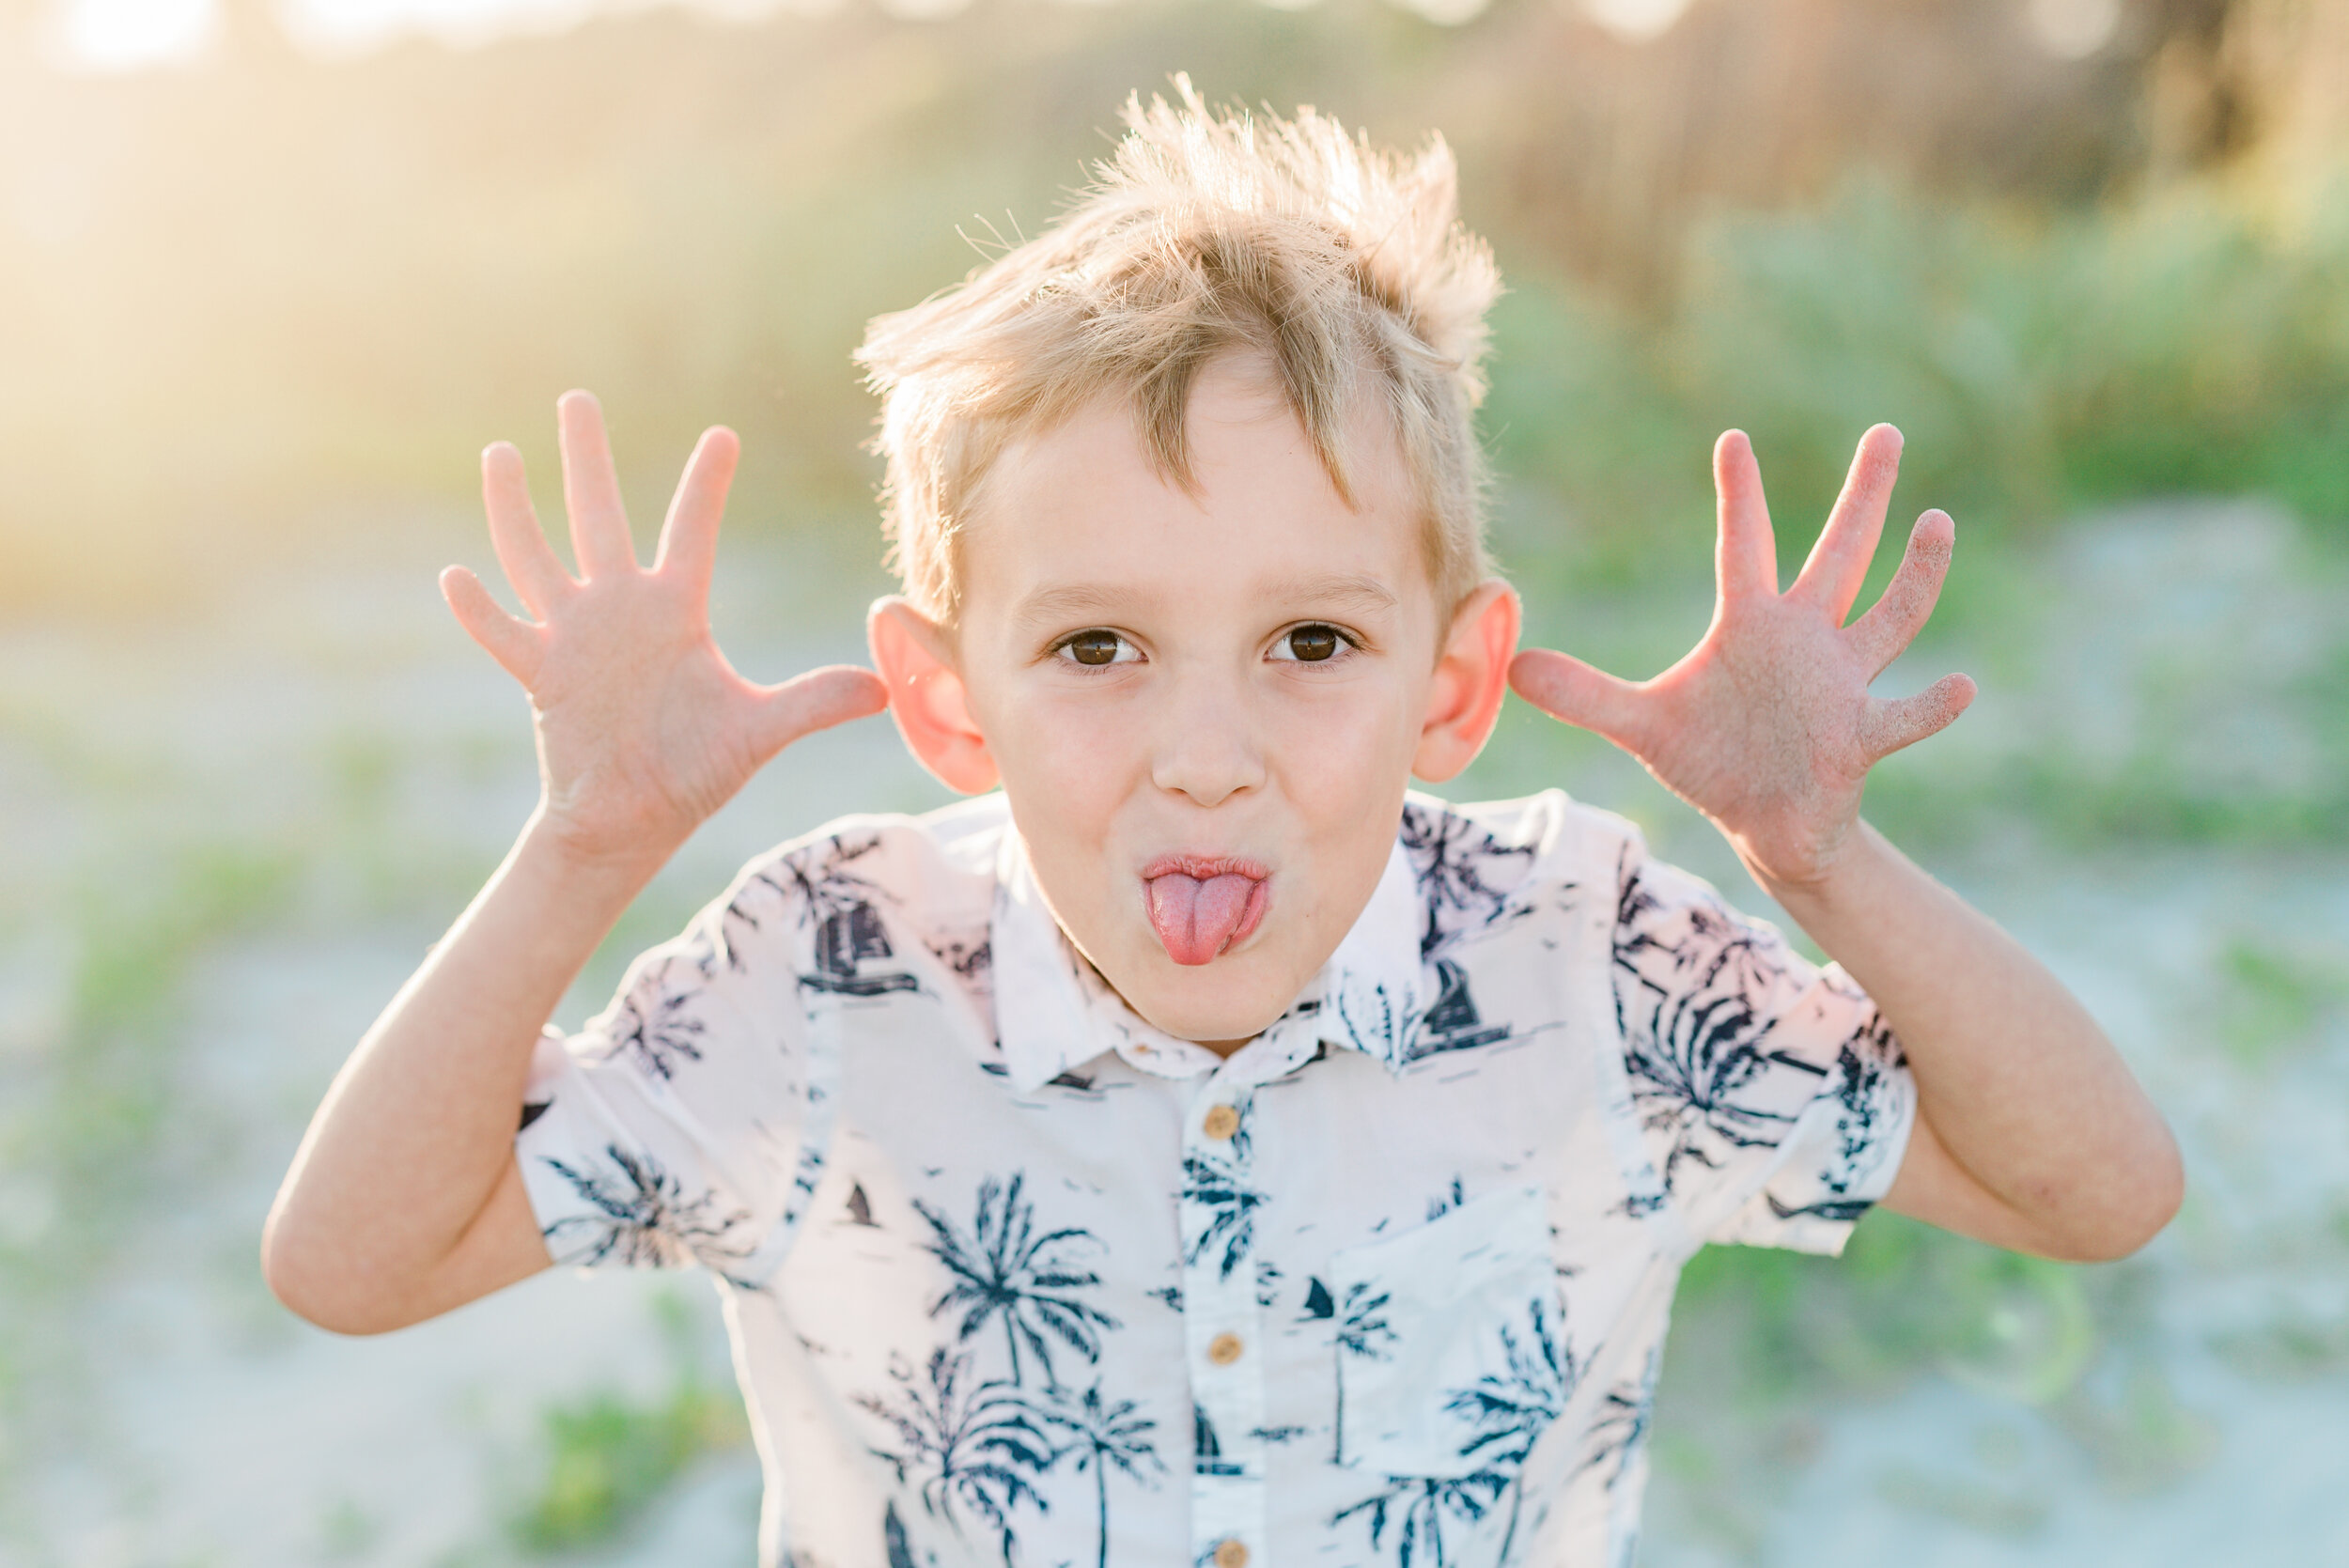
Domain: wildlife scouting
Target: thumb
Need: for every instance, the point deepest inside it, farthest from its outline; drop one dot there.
(513, 643)
(815, 701)
(1891, 723)
(1566, 689)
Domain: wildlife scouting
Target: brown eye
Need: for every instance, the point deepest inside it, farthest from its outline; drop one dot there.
(1311, 645)
(1095, 647)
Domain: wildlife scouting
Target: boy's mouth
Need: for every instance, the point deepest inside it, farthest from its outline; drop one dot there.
(1201, 905)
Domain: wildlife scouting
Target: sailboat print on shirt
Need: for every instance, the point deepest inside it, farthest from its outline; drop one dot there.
(1452, 1022)
(846, 939)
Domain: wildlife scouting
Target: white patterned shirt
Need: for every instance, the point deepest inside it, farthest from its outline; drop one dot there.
(1014, 1277)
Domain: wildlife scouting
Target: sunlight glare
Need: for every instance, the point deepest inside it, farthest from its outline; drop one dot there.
(107, 37)
(1446, 13)
(348, 28)
(1635, 20)
(2074, 30)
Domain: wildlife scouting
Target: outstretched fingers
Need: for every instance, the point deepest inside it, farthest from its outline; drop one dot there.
(689, 538)
(530, 563)
(591, 489)
(1894, 621)
(815, 701)
(1838, 564)
(1892, 724)
(1581, 695)
(513, 643)
(1745, 553)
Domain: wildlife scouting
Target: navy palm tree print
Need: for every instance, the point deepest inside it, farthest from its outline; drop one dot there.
(814, 885)
(1102, 1435)
(642, 1216)
(841, 905)
(1362, 1331)
(976, 1447)
(1863, 1093)
(1212, 1181)
(1615, 1436)
(1380, 1024)
(1693, 991)
(1510, 1411)
(1417, 1507)
(1005, 1269)
(1465, 875)
(653, 1026)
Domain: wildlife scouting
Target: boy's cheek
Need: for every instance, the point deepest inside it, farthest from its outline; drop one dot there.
(1076, 757)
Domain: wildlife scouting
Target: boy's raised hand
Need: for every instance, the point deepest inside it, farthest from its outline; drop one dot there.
(1766, 725)
(644, 729)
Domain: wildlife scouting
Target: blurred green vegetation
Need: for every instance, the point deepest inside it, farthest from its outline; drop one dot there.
(1762, 1340)
(250, 295)
(88, 1126)
(1904, 1298)
(607, 1457)
(2038, 363)
(116, 1082)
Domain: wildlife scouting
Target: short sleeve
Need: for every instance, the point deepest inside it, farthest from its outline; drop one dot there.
(1774, 1100)
(670, 1129)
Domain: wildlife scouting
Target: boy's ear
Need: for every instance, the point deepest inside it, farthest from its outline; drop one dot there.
(1472, 677)
(926, 697)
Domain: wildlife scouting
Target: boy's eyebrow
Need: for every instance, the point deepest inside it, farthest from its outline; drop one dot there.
(1351, 592)
(1356, 592)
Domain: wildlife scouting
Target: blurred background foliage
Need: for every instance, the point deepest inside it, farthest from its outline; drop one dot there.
(258, 309)
(237, 287)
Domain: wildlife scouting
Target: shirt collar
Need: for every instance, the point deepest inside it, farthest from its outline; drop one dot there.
(1053, 1012)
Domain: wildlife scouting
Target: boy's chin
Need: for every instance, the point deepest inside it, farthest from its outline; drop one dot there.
(1222, 1002)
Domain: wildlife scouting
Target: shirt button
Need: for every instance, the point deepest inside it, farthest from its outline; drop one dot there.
(1223, 1350)
(1221, 1122)
(1230, 1552)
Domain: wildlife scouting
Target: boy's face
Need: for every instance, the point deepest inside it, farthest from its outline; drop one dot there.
(1202, 708)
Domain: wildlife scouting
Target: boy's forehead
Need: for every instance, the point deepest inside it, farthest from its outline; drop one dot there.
(1077, 518)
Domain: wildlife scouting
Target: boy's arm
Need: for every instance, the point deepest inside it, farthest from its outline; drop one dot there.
(2032, 1132)
(404, 1200)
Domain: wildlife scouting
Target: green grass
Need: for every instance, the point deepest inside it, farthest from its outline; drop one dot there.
(608, 1457)
(98, 1122)
(115, 1075)
(2277, 991)
(1759, 1337)
(1904, 1300)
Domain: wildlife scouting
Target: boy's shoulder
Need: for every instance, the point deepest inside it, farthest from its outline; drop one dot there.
(966, 839)
(1547, 836)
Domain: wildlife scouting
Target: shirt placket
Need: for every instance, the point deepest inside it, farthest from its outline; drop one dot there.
(1222, 1326)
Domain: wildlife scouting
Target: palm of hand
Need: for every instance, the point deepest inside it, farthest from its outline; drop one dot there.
(1766, 725)
(644, 729)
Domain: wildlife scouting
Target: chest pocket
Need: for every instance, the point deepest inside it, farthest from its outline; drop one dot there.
(1451, 1348)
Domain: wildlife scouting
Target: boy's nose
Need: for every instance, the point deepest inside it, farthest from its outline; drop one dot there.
(1208, 746)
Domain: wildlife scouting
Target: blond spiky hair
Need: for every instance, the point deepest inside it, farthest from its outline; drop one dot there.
(1205, 233)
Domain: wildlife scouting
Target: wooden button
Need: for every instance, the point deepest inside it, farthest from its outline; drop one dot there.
(1230, 1552)
(1221, 1122)
(1223, 1350)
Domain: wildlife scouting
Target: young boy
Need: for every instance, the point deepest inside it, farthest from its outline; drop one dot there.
(1195, 1149)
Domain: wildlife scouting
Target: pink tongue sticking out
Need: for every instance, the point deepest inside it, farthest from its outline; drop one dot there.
(1195, 917)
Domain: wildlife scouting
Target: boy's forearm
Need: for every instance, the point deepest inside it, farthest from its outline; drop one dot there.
(415, 1139)
(2016, 1081)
